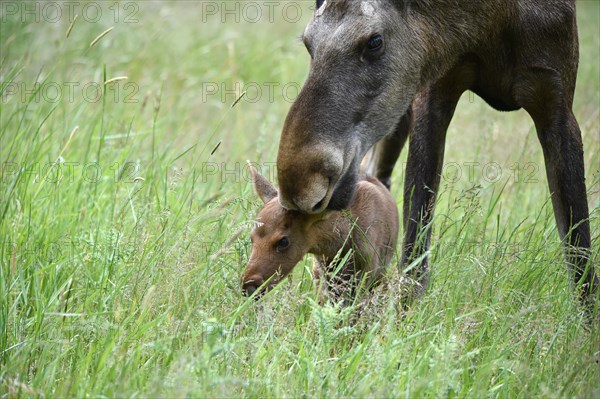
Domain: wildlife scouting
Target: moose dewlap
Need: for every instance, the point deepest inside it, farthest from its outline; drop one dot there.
(352, 248)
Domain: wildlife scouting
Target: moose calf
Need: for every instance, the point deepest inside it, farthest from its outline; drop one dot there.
(281, 237)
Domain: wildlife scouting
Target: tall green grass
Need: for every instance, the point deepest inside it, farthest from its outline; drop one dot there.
(126, 211)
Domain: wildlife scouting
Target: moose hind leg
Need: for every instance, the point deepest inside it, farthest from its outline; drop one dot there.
(542, 94)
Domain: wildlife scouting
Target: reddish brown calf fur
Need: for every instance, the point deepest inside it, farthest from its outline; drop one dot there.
(281, 238)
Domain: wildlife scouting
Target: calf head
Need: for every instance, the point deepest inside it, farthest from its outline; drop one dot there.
(280, 238)
(363, 76)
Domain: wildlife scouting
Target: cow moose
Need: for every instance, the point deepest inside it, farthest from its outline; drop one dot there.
(383, 71)
(352, 249)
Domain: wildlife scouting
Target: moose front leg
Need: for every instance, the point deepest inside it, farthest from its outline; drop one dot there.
(433, 109)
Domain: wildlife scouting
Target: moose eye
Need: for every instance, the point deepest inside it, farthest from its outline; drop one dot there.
(283, 243)
(375, 43)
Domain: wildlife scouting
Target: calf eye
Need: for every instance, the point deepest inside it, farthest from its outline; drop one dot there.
(283, 243)
(375, 43)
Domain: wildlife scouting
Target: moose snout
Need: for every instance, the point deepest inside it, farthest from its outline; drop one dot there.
(310, 177)
(308, 187)
(309, 198)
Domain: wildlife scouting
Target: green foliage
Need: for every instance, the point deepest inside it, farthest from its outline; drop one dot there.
(126, 209)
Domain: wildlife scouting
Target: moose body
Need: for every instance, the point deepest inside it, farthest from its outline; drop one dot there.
(369, 229)
(383, 71)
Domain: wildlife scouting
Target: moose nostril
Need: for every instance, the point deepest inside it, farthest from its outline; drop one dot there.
(318, 206)
(322, 203)
(248, 290)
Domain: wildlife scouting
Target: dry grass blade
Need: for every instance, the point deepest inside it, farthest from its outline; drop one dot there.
(101, 35)
(71, 26)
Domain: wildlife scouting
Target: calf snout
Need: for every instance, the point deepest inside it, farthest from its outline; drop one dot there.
(250, 286)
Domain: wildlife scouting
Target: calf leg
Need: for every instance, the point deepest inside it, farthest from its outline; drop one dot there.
(541, 93)
(333, 283)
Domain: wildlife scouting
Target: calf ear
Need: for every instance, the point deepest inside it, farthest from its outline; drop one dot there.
(265, 190)
(320, 3)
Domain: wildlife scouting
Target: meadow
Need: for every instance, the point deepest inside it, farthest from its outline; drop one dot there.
(126, 208)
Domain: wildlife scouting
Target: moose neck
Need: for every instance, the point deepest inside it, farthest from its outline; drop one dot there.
(444, 31)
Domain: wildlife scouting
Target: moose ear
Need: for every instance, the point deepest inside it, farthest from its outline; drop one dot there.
(320, 3)
(265, 190)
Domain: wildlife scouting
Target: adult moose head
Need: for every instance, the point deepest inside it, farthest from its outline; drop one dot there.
(363, 76)
(381, 69)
